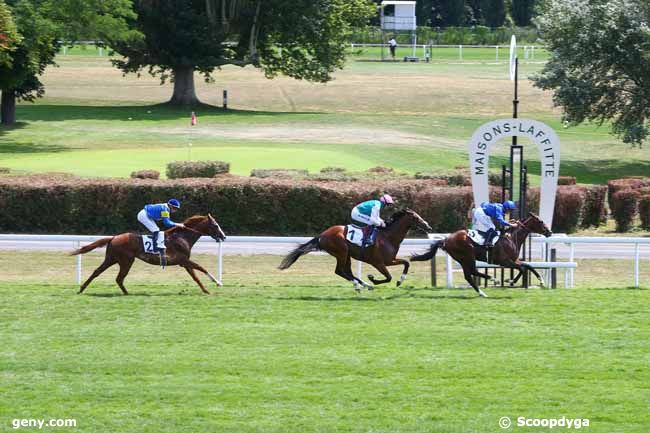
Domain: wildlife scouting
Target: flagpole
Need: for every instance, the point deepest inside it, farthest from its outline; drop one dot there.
(189, 139)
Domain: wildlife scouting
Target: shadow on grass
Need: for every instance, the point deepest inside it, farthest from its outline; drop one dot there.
(13, 147)
(598, 171)
(156, 112)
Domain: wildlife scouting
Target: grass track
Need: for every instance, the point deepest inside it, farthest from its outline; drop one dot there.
(304, 358)
(298, 351)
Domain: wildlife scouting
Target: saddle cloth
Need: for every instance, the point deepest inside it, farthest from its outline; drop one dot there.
(479, 239)
(354, 234)
(147, 242)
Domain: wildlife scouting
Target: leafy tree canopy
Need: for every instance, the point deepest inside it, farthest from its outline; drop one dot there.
(599, 68)
(42, 25)
(304, 39)
(9, 36)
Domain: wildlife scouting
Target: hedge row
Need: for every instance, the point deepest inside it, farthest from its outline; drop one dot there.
(626, 199)
(188, 169)
(37, 204)
(575, 206)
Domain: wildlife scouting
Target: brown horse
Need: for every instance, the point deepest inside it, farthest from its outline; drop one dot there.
(505, 253)
(380, 255)
(124, 248)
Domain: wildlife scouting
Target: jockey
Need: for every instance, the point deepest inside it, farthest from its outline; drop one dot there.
(159, 212)
(367, 213)
(484, 216)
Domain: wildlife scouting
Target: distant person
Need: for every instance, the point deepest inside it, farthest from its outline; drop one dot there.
(392, 44)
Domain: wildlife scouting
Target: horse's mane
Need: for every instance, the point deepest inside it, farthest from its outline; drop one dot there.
(189, 222)
(193, 220)
(397, 216)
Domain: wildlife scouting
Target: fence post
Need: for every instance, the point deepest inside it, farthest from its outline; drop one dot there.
(636, 265)
(220, 262)
(225, 99)
(434, 276)
(359, 269)
(77, 246)
(450, 277)
(497, 47)
(460, 52)
(571, 257)
(554, 270)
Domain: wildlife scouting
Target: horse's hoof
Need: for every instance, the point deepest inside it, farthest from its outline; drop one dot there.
(399, 283)
(482, 294)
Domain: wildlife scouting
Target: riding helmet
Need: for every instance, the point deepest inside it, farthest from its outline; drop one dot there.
(174, 203)
(509, 205)
(386, 199)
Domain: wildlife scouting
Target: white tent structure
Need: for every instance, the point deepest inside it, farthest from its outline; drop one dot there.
(398, 16)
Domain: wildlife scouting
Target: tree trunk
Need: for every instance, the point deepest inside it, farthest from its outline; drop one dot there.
(8, 107)
(184, 93)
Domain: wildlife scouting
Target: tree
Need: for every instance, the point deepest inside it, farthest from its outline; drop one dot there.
(493, 12)
(9, 36)
(448, 12)
(304, 39)
(522, 12)
(41, 25)
(599, 67)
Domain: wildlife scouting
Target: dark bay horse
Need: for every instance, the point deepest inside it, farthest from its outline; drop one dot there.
(380, 255)
(505, 253)
(124, 248)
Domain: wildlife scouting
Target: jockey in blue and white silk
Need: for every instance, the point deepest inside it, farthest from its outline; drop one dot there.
(368, 213)
(484, 216)
(152, 213)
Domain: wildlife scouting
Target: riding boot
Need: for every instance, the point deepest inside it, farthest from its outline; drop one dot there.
(154, 240)
(489, 238)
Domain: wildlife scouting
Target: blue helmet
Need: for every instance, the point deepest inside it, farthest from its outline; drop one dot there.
(509, 205)
(174, 203)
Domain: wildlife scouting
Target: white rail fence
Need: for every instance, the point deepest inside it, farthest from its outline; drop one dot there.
(76, 241)
(501, 52)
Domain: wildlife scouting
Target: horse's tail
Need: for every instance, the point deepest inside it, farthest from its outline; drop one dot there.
(303, 249)
(429, 254)
(97, 244)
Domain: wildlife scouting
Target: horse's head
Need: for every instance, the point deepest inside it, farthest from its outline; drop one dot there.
(214, 229)
(206, 225)
(414, 220)
(536, 225)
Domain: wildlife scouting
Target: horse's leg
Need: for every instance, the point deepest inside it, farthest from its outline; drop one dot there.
(381, 268)
(196, 280)
(188, 263)
(347, 268)
(469, 270)
(125, 267)
(534, 271)
(108, 262)
(340, 271)
(405, 271)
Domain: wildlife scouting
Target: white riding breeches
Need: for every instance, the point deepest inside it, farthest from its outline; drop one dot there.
(147, 222)
(365, 219)
(481, 221)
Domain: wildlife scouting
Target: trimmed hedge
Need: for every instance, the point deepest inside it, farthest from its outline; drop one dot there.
(616, 185)
(575, 206)
(566, 180)
(188, 169)
(279, 173)
(145, 174)
(625, 205)
(644, 211)
(42, 204)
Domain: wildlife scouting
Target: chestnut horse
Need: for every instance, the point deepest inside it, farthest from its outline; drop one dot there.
(123, 249)
(505, 253)
(380, 255)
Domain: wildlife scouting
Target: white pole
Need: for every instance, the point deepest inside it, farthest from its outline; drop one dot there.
(78, 245)
(450, 277)
(497, 47)
(220, 262)
(572, 250)
(359, 264)
(460, 52)
(636, 265)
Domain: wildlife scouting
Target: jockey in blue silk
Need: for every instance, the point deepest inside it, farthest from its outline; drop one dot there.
(484, 216)
(152, 213)
(368, 214)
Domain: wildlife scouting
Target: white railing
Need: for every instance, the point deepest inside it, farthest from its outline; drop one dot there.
(501, 52)
(76, 241)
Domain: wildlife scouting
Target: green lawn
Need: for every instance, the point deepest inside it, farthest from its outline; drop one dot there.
(412, 117)
(304, 357)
